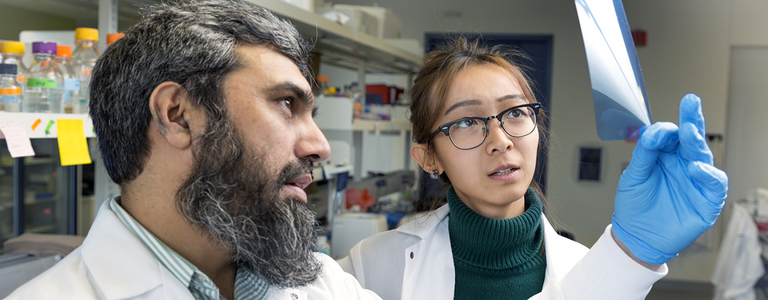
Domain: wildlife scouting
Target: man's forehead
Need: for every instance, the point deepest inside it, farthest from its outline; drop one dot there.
(273, 67)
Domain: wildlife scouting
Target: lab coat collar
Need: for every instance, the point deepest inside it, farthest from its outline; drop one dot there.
(425, 225)
(121, 265)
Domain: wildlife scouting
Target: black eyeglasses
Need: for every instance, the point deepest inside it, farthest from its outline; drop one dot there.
(470, 132)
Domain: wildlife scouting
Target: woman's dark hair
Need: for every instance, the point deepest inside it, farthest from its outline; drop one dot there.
(434, 79)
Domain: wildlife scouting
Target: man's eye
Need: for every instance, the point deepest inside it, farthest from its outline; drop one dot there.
(287, 102)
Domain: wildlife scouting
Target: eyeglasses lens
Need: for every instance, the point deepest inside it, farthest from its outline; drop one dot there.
(469, 133)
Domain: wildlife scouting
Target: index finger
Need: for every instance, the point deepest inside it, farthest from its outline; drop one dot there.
(690, 112)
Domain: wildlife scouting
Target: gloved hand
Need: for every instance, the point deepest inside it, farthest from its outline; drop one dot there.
(670, 193)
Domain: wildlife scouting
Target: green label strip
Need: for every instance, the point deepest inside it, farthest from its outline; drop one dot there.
(41, 83)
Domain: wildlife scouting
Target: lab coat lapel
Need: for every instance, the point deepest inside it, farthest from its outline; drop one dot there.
(429, 263)
(120, 265)
(559, 259)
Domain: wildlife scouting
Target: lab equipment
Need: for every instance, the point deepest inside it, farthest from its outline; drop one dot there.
(70, 85)
(10, 89)
(83, 60)
(44, 76)
(12, 53)
(618, 88)
(670, 193)
(351, 228)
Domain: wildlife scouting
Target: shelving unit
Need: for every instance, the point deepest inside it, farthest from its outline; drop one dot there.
(336, 44)
(36, 124)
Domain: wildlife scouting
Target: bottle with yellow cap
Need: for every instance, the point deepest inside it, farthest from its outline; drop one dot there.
(70, 85)
(11, 53)
(83, 59)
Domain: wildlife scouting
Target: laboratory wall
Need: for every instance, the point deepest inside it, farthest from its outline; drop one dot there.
(688, 50)
(14, 20)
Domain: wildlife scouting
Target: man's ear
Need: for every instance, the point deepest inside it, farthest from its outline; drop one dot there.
(426, 159)
(174, 115)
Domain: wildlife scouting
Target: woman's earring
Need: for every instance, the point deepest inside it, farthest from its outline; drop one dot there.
(434, 174)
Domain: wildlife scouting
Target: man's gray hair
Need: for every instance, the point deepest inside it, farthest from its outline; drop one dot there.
(192, 43)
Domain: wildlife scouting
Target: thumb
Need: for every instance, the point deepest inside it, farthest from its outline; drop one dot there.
(653, 139)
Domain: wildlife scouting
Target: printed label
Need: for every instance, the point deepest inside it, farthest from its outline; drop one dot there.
(10, 91)
(72, 84)
(42, 83)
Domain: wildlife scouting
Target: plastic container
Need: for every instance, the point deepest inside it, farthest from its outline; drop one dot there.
(113, 37)
(12, 53)
(44, 76)
(322, 244)
(10, 89)
(83, 59)
(323, 81)
(70, 86)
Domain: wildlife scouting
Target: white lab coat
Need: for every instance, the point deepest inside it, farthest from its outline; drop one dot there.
(113, 264)
(739, 265)
(415, 261)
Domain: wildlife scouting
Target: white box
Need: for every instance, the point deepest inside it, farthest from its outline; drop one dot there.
(308, 5)
(350, 228)
(389, 26)
(357, 19)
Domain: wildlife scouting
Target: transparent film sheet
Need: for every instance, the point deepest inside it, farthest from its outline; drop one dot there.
(618, 89)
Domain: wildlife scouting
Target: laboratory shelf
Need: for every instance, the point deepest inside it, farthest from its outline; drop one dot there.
(36, 124)
(345, 45)
(373, 125)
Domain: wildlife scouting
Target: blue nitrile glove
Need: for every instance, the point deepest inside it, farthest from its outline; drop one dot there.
(670, 193)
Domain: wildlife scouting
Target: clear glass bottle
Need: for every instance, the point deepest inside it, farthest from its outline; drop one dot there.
(10, 89)
(70, 86)
(44, 76)
(12, 53)
(83, 59)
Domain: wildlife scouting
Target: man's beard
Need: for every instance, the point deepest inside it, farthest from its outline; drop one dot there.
(232, 197)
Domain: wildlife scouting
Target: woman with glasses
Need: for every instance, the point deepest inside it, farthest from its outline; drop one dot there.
(477, 126)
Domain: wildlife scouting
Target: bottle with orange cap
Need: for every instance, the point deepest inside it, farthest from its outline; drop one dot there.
(113, 37)
(70, 85)
(83, 59)
(11, 53)
(323, 81)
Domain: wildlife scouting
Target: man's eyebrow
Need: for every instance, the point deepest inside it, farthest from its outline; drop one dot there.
(470, 102)
(289, 87)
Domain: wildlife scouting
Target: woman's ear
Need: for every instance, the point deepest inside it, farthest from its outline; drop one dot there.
(426, 159)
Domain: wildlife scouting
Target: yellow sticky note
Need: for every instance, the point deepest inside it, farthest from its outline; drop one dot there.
(73, 148)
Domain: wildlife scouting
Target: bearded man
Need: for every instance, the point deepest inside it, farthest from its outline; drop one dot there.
(204, 117)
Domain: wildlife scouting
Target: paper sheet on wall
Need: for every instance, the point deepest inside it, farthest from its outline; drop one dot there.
(16, 138)
(73, 147)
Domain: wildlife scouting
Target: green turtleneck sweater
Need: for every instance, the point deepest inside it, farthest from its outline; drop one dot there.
(497, 259)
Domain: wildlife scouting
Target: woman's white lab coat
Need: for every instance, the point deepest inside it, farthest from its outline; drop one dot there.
(113, 264)
(415, 262)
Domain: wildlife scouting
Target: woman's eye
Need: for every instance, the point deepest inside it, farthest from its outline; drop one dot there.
(465, 123)
(516, 113)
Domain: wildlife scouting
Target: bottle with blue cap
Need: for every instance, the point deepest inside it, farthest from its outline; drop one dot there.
(10, 89)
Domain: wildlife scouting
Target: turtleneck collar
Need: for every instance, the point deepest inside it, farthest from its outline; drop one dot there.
(496, 244)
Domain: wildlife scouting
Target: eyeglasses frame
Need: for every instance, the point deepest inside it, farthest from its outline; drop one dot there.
(445, 128)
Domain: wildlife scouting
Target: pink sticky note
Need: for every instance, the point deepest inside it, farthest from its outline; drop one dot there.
(16, 138)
